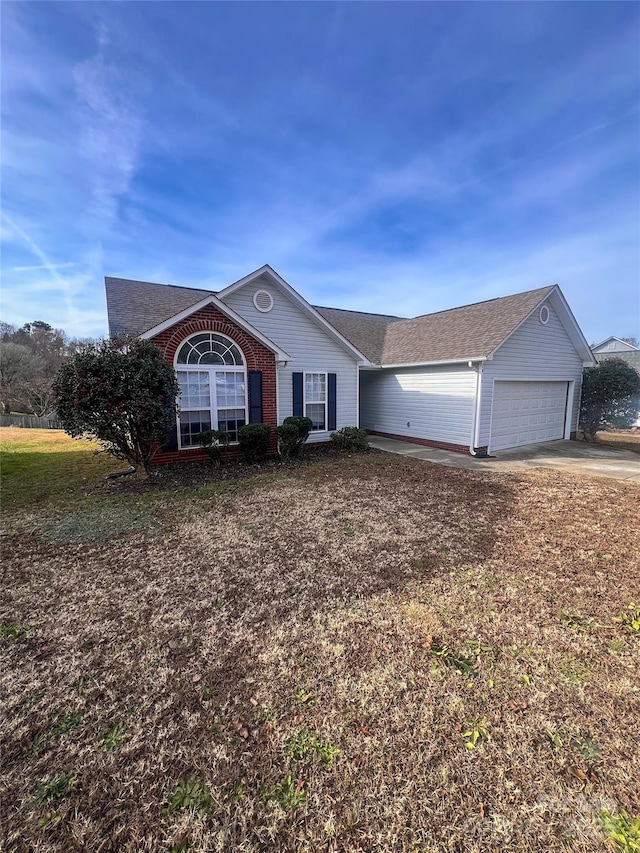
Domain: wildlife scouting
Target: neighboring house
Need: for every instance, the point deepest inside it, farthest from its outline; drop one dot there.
(497, 374)
(613, 345)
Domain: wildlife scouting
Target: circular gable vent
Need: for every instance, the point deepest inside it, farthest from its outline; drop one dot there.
(263, 300)
(544, 315)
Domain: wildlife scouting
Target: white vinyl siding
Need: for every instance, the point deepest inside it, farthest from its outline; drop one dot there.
(312, 350)
(436, 403)
(536, 351)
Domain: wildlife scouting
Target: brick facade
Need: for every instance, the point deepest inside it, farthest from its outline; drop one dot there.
(257, 357)
(427, 442)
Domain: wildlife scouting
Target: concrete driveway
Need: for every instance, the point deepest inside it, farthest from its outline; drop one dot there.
(576, 457)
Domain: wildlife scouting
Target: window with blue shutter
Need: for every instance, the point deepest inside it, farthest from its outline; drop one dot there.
(331, 401)
(255, 396)
(298, 394)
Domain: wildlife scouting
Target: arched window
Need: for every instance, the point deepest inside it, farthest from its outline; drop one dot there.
(209, 348)
(213, 387)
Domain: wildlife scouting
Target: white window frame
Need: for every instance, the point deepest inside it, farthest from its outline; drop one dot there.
(212, 369)
(316, 403)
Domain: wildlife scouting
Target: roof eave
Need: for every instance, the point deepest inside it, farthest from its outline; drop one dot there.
(443, 361)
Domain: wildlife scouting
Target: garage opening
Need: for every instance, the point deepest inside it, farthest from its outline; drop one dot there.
(527, 413)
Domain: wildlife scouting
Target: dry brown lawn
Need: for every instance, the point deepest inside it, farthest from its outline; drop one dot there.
(299, 660)
(620, 439)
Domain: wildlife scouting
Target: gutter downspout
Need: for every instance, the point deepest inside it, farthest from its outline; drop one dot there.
(475, 426)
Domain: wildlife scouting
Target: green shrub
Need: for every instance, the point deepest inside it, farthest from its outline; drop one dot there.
(350, 439)
(254, 441)
(610, 396)
(213, 442)
(121, 392)
(292, 434)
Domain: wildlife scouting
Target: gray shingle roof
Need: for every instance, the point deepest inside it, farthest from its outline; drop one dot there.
(471, 331)
(367, 332)
(458, 333)
(133, 307)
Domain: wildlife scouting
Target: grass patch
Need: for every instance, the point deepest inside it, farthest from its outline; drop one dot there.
(630, 619)
(63, 725)
(289, 794)
(191, 795)
(112, 738)
(54, 789)
(307, 744)
(13, 631)
(623, 831)
(45, 465)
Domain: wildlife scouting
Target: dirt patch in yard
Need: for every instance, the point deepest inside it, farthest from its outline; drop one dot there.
(368, 654)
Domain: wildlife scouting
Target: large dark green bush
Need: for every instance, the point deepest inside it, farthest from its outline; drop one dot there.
(350, 439)
(254, 441)
(610, 396)
(213, 442)
(292, 434)
(121, 392)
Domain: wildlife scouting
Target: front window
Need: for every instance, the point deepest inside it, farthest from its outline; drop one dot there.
(315, 399)
(213, 394)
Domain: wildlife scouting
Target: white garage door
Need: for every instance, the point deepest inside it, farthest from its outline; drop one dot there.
(527, 413)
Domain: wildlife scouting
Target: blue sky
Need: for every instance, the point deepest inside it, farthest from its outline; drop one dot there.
(391, 157)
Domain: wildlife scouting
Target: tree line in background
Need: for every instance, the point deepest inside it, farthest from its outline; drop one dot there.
(30, 357)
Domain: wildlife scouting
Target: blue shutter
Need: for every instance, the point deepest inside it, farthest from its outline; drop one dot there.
(331, 401)
(172, 440)
(298, 395)
(254, 378)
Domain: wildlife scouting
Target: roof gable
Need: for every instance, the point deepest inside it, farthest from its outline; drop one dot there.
(211, 299)
(300, 302)
(627, 347)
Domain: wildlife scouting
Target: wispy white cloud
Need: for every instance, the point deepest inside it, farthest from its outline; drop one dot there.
(36, 267)
(110, 126)
(58, 282)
